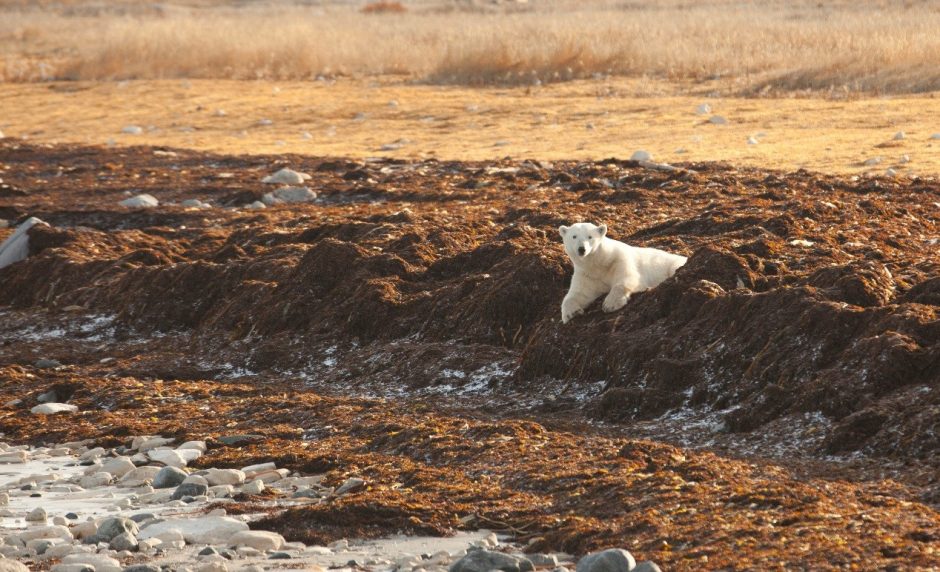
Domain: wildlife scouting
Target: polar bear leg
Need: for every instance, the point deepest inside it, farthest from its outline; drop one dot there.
(579, 296)
(620, 293)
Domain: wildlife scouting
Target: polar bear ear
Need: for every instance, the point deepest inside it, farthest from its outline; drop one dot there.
(562, 230)
(603, 229)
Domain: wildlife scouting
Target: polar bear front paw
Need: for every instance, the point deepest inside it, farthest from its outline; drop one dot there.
(569, 311)
(614, 303)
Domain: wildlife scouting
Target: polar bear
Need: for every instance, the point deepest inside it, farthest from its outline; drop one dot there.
(603, 264)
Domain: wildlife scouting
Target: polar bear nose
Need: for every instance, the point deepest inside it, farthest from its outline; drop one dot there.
(581, 250)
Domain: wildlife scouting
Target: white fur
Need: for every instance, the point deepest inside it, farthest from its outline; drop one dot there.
(609, 266)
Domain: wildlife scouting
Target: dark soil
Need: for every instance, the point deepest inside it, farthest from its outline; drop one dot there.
(405, 329)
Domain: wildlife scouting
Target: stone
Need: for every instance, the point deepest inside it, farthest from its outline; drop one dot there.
(935, 136)
(280, 556)
(752, 141)
(220, 491)
(213, 567)
(51, 531)
(647, 566)
(143, 517)
(168, 457)
(72, 568)
(92, 454)
(53, 408)
(47, 397)
(703, 109)
(132, 129)
(899, 136)
(144, 444)
(118, 466)
(38, 514)
(14, 457)
(195, 203)
(125, 541)
(873, 161)
(255, 487)
(252, 470)
(611, 560)
(717, 120)
(189, 455)
(482, 560)
(258, 539)
(224, 477)
(544, 560)
(4, 499)
(286, 177)
(144, 201)
(236, 440)
(110, 528)
(142, 568)
(641, 155)
(16, 246)
(350, 484)
(190, 490)
(98, 479)
(140, 475)
(168, 477)
(7, 565)
(197, 445)
(100, 562)
(202, 530)
(47, 364)
(256, 205)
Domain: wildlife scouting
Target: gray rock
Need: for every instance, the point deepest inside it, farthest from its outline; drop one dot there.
(295, 194)
(641, 155)
(142, 517)
(236, 440)
(544, 560)
(71, 516)
(8, 565)
(647, 566)
(47, 364)
(113, 527)
(611, 560)
(351, 484)
(280, 556)
(169, 477)
(190, 490)
(208, 551)
(125, 541)
(307, 494)
(140, 201)
(717, 120)
(38, 514)
(16, 246)
(47, 397)
(53, 408)
(482, 560)
(142, 568)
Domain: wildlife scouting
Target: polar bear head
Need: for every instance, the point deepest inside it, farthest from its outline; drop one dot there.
(582, 239)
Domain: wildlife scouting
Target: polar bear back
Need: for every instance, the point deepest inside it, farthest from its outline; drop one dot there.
(651, 265)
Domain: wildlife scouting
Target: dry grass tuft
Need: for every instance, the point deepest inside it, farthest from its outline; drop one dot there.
(755, 48)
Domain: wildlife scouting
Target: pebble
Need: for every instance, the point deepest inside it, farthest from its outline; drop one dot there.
(99, 479)
(482, 560)
(935, 136)
(899, 136)
(197, 445)
(703, 109)
(142, 568)
(118, 466)
(286, 176)
(611, 560)
(144, 200)
(47, 364)
(873, 161)
(125, 541)
(202, 530)
(132, 129)
(752, 141)
(224, 477)
(168, 457)
(100, 562)
(38, 514)
(351, 484)
(256, 205)
(641, 155)
(140, 476)
(257, 539)
(190, 490)
(252, 470)
(544, 560)
(717, 120)
(904, 159)
(169, 477)
(72, 568)
(255, 487)
(647, 566)
(53, 408)
(195, 203)
(288, 195)
(112, 527)
(144, 444)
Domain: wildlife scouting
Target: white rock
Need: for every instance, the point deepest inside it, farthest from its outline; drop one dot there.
(118, 466)
(717, 120)
(340, 545)
(203, 530)
(258, 539)
(51, 531)
(99, 479)
(189, 455)
(132, 130)
(252, 470)
(145, 443)
(60, 550)
(899, 136)
(256, 205)
(891, 172)
(195, 203)
(873, 161)
(212, 567)
(167, 457)
(92, 454)
(84, 529)
(101, 562)
(247, 552)
(139, 476)
(286, 176)
(271, 476)
(703, 109)
(751, 141)
(198, 479)
(904, 159)
(14, 457)
(16, 246)
(198, 445)
(220, 491)
(144, 200)
(4, 499)
(801, 242)
(224, 477)
(53, 408)
(255, 487)
(641, 155)
(294, 194)
(73, 568)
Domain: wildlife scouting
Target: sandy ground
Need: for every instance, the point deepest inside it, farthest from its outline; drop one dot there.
(389, 117)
